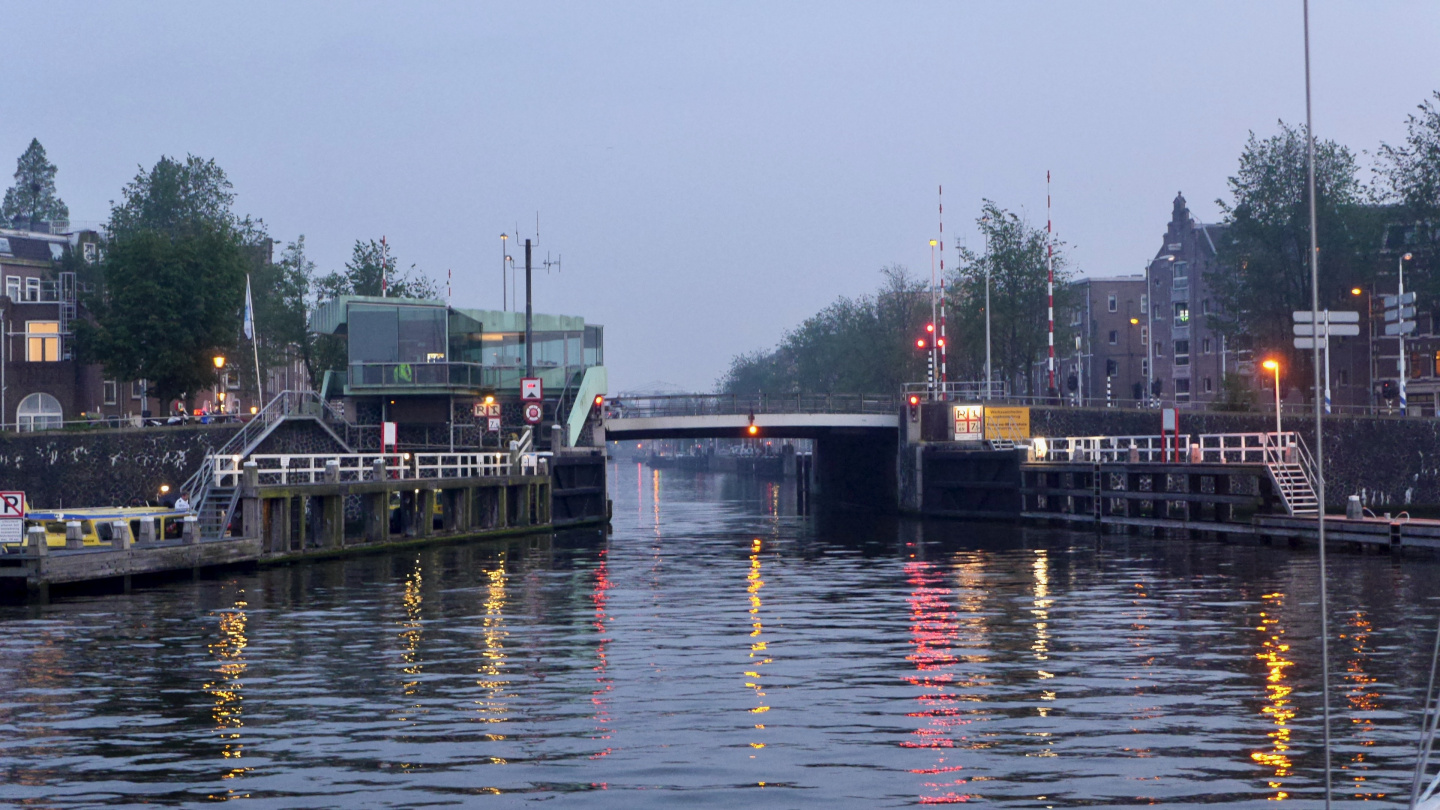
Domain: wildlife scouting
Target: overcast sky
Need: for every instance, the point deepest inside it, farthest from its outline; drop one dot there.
(711, 173)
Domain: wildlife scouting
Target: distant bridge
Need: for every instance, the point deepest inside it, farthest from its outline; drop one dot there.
(731, 416)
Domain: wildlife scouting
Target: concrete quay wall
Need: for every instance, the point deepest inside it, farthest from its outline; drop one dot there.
(104, 467)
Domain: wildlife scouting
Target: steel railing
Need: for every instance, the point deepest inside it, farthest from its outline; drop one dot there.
(315, 468)
(1214, 448)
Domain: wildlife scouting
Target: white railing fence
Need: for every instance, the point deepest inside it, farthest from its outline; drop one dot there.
(298, 468)
(1214, 448)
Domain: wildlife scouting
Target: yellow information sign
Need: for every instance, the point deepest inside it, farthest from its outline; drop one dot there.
(1007, 422)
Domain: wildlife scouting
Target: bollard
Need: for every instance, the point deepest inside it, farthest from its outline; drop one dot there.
(1195, 455)
(120, 535)
(147, 530)
(38, 545)
(190, 534)
(332, 471)
(1134, 455)
(250, 475)
(1353, 510)
(73, 537)
(377, 469)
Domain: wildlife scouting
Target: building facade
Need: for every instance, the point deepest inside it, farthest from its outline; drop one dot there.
(1107, 333)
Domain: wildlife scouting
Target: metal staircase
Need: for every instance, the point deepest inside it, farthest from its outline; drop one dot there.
(1290, 472)
(214, 505)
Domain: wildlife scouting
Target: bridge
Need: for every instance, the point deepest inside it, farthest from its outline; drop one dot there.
(856, 436)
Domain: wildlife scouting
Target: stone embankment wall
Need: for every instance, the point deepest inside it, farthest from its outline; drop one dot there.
(104, 467)
(1390, 462)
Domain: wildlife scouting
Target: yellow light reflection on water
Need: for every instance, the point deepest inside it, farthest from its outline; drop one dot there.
(599, 696)
(227, 690)
(410, 633)
(759, 649)
(1278, 709)
(1364, 700)
(492, 706)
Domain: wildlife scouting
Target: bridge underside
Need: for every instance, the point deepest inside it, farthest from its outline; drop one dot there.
(771, 426)
(855, 454)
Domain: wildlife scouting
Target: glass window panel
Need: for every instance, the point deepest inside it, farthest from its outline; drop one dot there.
(421, 332)
(373, 334)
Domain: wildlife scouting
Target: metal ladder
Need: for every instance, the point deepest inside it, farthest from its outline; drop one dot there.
(1294, 487)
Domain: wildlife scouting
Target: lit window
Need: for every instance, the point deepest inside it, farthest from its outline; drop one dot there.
(42, 341)
(39, 411)
(1182, 313)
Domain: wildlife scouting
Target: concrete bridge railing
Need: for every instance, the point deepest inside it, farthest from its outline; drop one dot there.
(623, 407)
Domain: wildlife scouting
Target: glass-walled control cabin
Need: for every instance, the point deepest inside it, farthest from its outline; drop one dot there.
(419, 346)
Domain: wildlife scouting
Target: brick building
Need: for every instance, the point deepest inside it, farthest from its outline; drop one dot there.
(1103, 347)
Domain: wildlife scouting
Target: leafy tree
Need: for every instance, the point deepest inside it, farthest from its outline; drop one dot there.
(1016, 260)
(859, 345)
(362, 275)
(1413, 174)
(281, 295)
(33, 195)
(172, 279)
(1263, 268)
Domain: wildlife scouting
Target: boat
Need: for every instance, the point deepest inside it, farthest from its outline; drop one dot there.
(98, 524)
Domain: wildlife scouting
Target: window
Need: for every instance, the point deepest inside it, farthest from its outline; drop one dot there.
(1144, 334)
(1182, 352)
(1207, 347)
(1114, 337)
(92, 251)
(1111, 368)
(1144, 367)
(1182, 385)
(5, 246)
(1182, 276)
(111, 392)
(1159, 349)
(1077, 317)
(38, 412)
(1113, 303)
(1209, 385)
(1144, 303)
(42, 341)
(1205, 307)
(137, 389)
(1182, 313)
(32, 289)
(1344, 377)
(12, 287)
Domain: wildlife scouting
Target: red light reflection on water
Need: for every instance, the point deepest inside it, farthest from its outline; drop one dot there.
(934, 632)
(603, 682)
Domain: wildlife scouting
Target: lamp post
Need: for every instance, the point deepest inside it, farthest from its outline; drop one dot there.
(985, 222)
(1370, 341)
(1400, 308)
(1271, 365)
(504, 261)
(219, 361)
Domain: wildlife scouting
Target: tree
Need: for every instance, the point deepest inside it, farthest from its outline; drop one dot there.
(1263, 268)
(1413, 173)
(281, 295)
(33, 195)
(172, 281)
(1015, 257)
(855, 345)
(362, 275)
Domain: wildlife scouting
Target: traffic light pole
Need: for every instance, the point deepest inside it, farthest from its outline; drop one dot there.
(529, 350)
(1400, 305)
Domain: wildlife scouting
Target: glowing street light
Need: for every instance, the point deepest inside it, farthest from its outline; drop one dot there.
(1272, 365)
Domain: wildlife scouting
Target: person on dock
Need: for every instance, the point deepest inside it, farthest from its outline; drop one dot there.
(182, 503)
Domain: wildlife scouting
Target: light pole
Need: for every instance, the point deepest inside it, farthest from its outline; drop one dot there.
(1271, 365)
(1370, 341)
(504, 260)
(1400, 309)
(985, 223)
(219, 361)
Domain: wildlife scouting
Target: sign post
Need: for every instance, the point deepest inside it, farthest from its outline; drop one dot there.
(969, 423)
(1336, 323)
(12, 517)
(1169, 434)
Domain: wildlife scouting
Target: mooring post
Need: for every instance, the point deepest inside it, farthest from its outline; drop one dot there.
(190, 534)
(425, 517)
(120, 531)
(73, 537)
(39, 546)
(147, 531)
(332, 471)
(377, 469)
(250, 516)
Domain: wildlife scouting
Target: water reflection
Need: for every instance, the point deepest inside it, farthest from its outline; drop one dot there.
(1278, 709)
(759, 648)
(934, 630)
(604, 684)
(226, 691)
(1364, 699)
(491, 706)
(410, 633)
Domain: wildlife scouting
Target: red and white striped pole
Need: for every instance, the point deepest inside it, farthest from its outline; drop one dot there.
(1049, 287)
(383, 286)
(943, 348)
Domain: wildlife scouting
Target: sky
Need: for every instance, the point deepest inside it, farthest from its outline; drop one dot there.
(709, 174)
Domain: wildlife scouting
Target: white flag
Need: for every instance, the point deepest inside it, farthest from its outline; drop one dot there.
(249, 311)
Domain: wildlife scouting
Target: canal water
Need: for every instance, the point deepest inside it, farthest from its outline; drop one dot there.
(718, 650)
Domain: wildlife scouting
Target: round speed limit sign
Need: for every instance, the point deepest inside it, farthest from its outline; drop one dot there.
(532, 413)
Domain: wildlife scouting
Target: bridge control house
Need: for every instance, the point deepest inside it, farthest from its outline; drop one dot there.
(427, 366)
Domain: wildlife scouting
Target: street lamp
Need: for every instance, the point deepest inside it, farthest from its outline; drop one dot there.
(1271, 365)
(1369, 339)
(219, 361)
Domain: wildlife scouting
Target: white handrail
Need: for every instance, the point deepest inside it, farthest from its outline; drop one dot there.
(279, 469)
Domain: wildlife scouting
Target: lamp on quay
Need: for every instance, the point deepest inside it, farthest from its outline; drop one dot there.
(1271, 365)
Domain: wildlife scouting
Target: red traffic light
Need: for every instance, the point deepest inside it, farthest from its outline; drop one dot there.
(599, 400)
(914, 399)
(920, 343)
(754, 429)
(929, 327)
